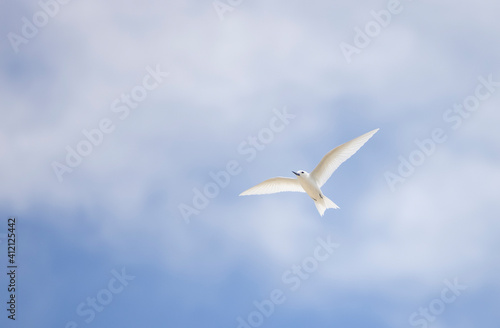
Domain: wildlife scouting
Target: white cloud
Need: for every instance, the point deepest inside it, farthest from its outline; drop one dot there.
(225, 79)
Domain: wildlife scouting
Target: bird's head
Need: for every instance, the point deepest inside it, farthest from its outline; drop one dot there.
(301, 173)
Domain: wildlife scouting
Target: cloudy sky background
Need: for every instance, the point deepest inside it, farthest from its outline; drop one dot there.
(119, 209)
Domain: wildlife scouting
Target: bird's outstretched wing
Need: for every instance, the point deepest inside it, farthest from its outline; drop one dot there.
(274, 185)
(331, 161)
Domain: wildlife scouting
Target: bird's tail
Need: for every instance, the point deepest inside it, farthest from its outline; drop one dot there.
(323, 203)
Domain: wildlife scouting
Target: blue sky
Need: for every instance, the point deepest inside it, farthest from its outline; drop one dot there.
(168, 92)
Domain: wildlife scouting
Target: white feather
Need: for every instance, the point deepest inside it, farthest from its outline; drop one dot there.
(274, 185)
(312, 183)
(332, 160)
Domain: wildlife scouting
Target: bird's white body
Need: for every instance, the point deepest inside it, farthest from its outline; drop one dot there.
(311, 183)
(310, 186)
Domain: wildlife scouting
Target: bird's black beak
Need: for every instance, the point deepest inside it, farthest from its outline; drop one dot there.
(296, 173)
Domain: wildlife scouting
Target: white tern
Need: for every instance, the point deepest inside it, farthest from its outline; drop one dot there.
(311, 183)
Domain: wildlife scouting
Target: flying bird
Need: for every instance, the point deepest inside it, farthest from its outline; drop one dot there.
(311, 183)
